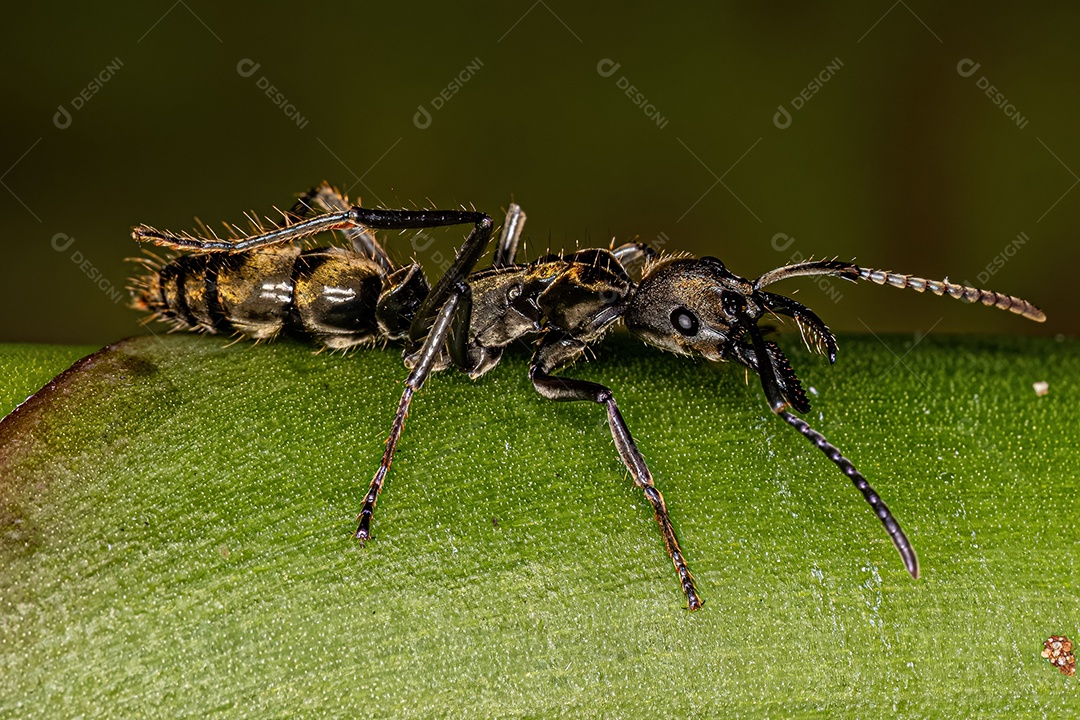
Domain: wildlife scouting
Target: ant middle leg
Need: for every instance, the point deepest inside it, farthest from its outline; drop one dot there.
(558, 350)
(633, 256)
(506, 250)
(468, 255)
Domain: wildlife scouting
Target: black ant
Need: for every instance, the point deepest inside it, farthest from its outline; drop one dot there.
(262, 284)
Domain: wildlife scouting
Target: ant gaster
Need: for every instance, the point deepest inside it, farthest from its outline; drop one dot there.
(262, 284)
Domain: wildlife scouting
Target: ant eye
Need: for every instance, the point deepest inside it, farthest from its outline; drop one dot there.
(684, 321)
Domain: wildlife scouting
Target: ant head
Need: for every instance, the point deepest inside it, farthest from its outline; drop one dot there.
(690, 305)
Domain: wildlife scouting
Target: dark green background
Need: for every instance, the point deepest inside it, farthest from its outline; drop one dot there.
(898, 161)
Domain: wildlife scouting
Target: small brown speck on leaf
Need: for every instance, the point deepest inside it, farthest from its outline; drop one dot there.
(1058, 649)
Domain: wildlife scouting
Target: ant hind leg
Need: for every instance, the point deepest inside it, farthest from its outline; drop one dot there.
(327, 199)
(425, 361)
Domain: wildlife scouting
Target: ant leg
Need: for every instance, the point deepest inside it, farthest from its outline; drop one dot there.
(328, 199)
(429, 352)
(354, 217)
(633, 256)
(506, 251)
(774, 394)
(558, 350)
(791, 391)
(471, 358)
(432, 321)
(459, 332)
(468, 255)
(815, 332)
(851, 271)
(290, 233)
(892, 527)
(633, 252)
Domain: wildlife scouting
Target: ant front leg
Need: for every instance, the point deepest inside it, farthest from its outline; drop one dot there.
(771, 383)
(557, 350)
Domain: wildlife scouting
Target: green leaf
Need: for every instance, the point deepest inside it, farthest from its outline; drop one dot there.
(176, 517)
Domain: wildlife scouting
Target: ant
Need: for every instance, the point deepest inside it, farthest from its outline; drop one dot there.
(263, 284)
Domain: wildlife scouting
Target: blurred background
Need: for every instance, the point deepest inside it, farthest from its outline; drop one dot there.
(939, 141)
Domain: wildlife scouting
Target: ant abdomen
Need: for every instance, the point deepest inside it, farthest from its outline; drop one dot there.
(332, 296)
